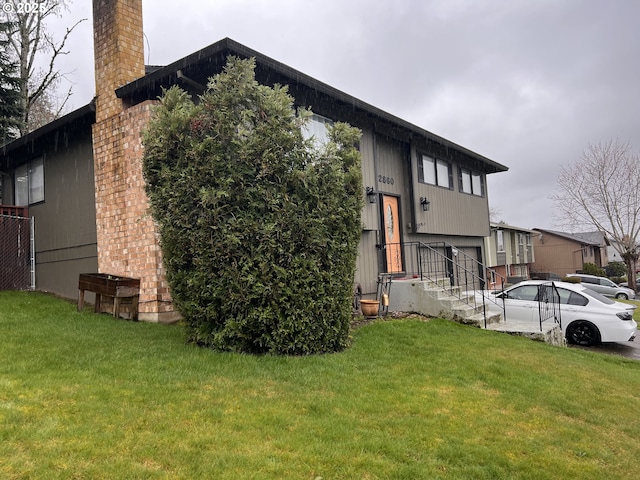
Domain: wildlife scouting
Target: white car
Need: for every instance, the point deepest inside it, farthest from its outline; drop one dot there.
(587, 318)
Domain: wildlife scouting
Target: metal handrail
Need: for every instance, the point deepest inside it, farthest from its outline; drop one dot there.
(549, 303)
(424, 260)
(460, 275)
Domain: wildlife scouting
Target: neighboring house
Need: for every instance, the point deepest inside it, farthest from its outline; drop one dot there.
(614, 256)
(82, 174)
(562, 253)
(509, 254)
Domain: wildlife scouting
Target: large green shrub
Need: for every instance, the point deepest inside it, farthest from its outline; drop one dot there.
(615, 269)
(592, 269)
(259, 230)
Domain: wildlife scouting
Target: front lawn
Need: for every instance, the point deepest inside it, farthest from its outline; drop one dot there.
(87, 396)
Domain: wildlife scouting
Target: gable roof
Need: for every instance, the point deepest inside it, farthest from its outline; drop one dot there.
(193, 71)
(596, 239)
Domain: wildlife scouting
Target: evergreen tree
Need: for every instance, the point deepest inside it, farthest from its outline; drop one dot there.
(10, 110)
(259, 229)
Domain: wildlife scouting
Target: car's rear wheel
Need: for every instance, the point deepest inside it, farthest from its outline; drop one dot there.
(582, 332)
(622, 296)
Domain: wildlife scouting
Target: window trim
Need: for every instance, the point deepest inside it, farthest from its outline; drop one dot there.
(447, 182)
(500, 241)
(34, 169)
(320, 138)
(471, 174)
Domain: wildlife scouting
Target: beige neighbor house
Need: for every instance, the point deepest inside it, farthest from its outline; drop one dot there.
(510, 255)
(81, 176)
(561, 253)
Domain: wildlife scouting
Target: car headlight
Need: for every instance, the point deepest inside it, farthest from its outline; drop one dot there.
(624, 316)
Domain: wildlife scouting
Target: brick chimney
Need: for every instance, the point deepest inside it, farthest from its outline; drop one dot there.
(118, 50)
(127, 236)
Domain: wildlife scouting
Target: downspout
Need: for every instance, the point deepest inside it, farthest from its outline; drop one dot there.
(412, 197)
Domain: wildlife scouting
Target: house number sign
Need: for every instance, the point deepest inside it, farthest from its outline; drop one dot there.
(387, 180)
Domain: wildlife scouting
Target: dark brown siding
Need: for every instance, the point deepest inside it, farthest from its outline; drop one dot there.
(65, 222)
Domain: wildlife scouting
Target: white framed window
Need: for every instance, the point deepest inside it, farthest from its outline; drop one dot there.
(29, 183)
(316, 128)
(434, 171)
(522, 271)
(471, 182)
(500, 240)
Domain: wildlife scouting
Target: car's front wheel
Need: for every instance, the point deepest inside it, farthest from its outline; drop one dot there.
(622, 296)
(583, 333)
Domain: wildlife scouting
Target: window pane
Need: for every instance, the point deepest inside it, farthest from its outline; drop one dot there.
(500, 240)
(316, 127)
(22, 186)
(443, 174)
(36, 181)
(466, 182)
(429, 170)
(476, 184)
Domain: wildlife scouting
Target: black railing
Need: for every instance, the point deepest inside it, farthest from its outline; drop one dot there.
(549, 303)
(446, 266)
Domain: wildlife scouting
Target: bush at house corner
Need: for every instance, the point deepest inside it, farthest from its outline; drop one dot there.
(259, 230)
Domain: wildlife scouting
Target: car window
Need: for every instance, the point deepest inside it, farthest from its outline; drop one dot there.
(606, 282)
(597, 296)
(576, 299)
(525, 292)
(590, 280)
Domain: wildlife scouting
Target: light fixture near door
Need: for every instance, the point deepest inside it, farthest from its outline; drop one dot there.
(425, 204)
(371, 195)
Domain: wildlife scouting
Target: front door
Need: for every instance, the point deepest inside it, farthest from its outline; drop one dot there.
(393, 245)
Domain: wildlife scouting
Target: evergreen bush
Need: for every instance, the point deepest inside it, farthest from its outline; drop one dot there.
(259, 229)
(592, 269)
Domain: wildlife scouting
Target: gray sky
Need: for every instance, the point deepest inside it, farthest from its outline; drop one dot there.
(527, 83)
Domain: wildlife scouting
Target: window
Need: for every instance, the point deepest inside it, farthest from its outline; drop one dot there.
(471, 182)
(607, 283)
(500, 240)
(435, 172)
(316, 128)
(521, 271)
(29, 183)
(525, 292)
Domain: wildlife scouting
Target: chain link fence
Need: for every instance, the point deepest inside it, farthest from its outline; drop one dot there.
(17, 256)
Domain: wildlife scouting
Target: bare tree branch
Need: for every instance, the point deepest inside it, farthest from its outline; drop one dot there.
(602, 190)
(30, 44)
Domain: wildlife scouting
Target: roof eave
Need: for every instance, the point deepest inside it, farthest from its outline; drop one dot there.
(228, 47)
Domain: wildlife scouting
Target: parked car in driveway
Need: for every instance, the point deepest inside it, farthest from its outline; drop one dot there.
(587, 318)
(626, 284)
(604, 286)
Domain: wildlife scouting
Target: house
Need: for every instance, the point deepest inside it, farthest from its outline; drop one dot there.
(509, 253)
(614, 256)
(81, 175)
(562, 253)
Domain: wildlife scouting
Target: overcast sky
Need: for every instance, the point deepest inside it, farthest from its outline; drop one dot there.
(526, 83)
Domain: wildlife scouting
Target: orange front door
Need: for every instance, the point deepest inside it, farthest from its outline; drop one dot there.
(393, 247)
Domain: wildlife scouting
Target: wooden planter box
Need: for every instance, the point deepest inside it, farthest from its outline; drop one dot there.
(116, 287)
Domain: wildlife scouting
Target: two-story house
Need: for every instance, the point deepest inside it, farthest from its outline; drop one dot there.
(81, 175)
(509, 253)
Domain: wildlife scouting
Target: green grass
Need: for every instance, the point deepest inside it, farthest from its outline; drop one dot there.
(88, 396)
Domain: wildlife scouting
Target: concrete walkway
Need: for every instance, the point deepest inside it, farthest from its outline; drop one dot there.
(551, 332)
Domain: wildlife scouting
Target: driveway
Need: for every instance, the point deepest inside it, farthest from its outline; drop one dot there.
(624, 349)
